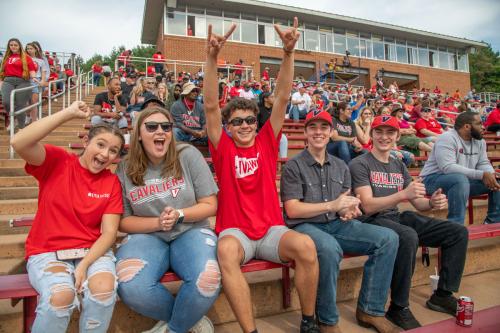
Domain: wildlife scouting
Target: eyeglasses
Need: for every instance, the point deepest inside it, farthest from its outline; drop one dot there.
(250, 120)
(426, 110)
(152, 126)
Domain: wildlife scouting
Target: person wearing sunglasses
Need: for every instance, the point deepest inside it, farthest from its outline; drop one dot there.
(189, 116)
(427, 127)
(249, 219)
(460, 166)
(168, 194)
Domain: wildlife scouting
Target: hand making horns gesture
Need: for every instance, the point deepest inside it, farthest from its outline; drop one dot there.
(215, 42)
(289, 37)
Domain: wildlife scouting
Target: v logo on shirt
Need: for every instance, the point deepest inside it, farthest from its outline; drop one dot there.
(245, 166)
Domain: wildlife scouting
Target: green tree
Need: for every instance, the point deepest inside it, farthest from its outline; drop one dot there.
(485, 70)
(143, 51)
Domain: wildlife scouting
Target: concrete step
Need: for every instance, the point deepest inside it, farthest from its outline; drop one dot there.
(12, 246)
(7, 193)
(18, 181)
(12, 171)
(14, 163)
(481, 287)
(18, 206)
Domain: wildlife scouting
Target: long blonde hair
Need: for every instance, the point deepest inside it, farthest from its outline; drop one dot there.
(22, 54)
(137, 160)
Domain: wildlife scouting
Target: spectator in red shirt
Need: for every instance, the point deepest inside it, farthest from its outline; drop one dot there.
(265, 74)
(427, 127)
(96, 72)
(238, 69)
(437, 91)
(159, 62)
(15, 72)
(492, 123)
(85, 226)
(235, 90)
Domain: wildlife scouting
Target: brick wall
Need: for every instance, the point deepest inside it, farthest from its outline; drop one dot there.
(193, 49)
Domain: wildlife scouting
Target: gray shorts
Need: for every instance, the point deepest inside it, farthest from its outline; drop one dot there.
(265, 248)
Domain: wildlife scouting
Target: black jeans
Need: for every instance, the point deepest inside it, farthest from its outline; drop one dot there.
(416, 230)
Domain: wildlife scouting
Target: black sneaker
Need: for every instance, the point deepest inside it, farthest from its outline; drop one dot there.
(309, 327)
(446, 304)
(402, 318)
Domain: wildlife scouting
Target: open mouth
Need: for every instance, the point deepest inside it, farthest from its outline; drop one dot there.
(98, 163)
(159, 143)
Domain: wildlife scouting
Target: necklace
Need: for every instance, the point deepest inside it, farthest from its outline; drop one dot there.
(187, 107)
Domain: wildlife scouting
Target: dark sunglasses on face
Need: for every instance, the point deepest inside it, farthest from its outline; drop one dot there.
(426, 110)
(250, 120)
(152, 126)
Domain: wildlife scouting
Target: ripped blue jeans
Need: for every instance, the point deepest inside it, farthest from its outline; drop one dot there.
(53, 280)
(144, 258)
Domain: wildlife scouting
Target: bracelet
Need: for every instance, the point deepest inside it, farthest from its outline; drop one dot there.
(430, 204)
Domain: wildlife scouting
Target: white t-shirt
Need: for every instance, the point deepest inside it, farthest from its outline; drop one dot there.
(247, 94)
(305, 97)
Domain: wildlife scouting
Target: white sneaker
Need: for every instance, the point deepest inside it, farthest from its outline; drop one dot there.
(160, 327)
(204, 325)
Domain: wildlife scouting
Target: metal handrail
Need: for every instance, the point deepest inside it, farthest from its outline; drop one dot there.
(13, 113)
(51, 97)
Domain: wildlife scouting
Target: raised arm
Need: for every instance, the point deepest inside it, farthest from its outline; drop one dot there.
(210, 86)
(27, 141)
(283, 87)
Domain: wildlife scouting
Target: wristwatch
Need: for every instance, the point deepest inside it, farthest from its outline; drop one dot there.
(181, 216)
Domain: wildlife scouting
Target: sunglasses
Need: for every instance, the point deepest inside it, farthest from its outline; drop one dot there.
(152, 126)
(426, 110)
(250, 120)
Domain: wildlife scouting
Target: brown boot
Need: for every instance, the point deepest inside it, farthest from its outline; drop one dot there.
(329, 328)
(380, 324)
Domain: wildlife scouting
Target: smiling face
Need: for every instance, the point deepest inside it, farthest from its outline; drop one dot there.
(30, 50)
(155, 143)
(14, 46)
(101, 151)
(244, 134)
(318, 134)
(384, 138)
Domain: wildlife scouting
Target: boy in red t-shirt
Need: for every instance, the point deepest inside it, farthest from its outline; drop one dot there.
(159, 62)
(249, 219)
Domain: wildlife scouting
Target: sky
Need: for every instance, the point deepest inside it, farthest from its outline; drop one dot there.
(87, 27)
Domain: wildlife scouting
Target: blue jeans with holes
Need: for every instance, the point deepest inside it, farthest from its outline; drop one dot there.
(458, 188)
(95, 316)
(334, 238)
(189, 256)
(296, 113)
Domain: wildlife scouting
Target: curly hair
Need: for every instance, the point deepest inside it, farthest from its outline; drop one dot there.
(238, 103)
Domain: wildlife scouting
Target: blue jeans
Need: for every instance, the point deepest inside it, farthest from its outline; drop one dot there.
(180, 135)
(343, 150)
(192, 256)
(158, 68)
(96, 77)
(458, 188)
(95, 315)
(296, 113)
(121, 123)
(334, 238)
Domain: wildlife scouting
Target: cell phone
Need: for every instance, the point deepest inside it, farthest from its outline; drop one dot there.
(71, 254)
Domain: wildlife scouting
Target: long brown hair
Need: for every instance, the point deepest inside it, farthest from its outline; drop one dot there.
(137, 160)
(22, 54)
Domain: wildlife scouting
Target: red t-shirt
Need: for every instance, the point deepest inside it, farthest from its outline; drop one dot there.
(14, 66)
(265, 75)
(96, 69)
(50, 61)
(452, 116)
(71, 203)
(69, 72)
(493, 118)
(53, 76)
(431, 124)
(151, 70)
(158, 58)
(247, 182)
(235, 91)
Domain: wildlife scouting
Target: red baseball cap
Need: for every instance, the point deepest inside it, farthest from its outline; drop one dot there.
(319, 115)
(385, 121)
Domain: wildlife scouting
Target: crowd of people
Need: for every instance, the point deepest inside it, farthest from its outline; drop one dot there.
(30, 66)
(340, 194)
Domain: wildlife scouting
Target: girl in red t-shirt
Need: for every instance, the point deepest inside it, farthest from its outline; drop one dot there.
(79, 206)
(15, 72)
(96, 73)
(41, 78)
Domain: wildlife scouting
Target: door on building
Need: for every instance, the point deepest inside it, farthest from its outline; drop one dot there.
(405, 81)
(303, 69)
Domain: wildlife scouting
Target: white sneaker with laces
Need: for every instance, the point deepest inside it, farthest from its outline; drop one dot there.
(204, 325)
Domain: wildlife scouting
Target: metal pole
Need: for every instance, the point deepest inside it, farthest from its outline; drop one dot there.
(49, 111)
(12, 122)
(146, 67)
(175, 70)
(69, 91)
(39, 105)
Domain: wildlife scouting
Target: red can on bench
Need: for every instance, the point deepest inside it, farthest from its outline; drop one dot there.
(465, 310)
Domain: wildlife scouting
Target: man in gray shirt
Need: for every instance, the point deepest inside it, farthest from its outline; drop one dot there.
(459, 165)
(315, 189)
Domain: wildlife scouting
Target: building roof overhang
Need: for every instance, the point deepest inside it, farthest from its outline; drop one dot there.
(153, 11)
